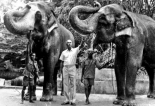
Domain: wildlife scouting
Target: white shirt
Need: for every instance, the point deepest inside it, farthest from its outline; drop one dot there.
(69, 57)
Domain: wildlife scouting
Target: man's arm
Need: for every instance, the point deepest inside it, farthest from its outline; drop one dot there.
(61, 66)
(61, 61)
(82, 74)
(98, 64)
(82, 43)
(37, 70)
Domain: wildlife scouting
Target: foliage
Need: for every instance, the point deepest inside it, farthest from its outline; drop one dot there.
(11, 46)
(138, 6)
(17, 45)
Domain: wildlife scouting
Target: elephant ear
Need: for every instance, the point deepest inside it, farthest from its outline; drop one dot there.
(112, 9)
(133, 21)
(46, 7)
(131, 16)
(124, 19)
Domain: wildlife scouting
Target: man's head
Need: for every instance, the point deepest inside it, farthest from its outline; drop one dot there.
(38, 16)
(69, 44)
(33, 56)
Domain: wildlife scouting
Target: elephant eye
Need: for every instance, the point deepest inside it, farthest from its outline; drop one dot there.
(102, 19)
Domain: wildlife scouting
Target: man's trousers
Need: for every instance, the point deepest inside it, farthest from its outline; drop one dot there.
(69, 83)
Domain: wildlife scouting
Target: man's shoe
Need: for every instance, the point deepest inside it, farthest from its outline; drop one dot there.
(73, 104)
(87, 103)
(65, 103)
(118, 102)
(31, 101)
(62, 94)
(22, 102)
(54, 94)
(34, 98)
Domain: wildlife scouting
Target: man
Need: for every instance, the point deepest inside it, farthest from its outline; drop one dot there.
(68, 61)
(30, 72)
(88, 73)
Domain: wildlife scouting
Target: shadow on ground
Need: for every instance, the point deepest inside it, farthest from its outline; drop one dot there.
(12, 97)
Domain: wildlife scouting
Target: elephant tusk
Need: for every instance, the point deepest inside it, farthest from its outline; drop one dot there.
(52, 27)
(127, 31)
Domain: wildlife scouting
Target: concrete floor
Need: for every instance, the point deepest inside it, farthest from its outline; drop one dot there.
(12, 97)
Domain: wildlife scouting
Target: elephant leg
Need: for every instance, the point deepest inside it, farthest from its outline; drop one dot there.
(151, 82)
(34, 89)
(48, 79)
(133, 63)
(130, 85)
(49, 63)
(55, 81)
(47, 94)
(120, 77)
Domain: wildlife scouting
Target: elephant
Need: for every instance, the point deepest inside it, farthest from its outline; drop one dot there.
(134, 37)
(46, 37)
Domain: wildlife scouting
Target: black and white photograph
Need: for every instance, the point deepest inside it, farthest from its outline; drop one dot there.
(77, 52)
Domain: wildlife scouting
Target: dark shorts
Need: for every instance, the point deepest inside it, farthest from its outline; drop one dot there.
(27, 81)
(88, 81)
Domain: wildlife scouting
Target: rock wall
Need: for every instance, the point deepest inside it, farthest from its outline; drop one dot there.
(105, 82)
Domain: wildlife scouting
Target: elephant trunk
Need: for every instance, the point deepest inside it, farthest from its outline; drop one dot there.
(88, 25)
(18, 22)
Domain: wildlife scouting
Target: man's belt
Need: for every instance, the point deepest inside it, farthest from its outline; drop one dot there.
(69, 65)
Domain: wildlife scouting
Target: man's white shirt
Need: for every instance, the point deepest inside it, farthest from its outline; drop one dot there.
(69, 56)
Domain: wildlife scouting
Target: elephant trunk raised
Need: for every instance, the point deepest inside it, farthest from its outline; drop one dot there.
(88, 25)
(19, 21)
(95, 23)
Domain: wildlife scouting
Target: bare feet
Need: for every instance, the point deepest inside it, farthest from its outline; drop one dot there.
(87, 102)
(118, 102)
(22, 102)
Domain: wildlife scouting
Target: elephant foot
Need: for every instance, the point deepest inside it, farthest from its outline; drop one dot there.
(46, 98)
(27, 97)
(150, 96)
(54, 93)
(118, 102)
(129, 103)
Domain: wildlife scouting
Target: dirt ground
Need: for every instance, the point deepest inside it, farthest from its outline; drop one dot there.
(12, 97)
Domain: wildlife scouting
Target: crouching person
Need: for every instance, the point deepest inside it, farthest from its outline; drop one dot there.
(30, 72)
(88, 73)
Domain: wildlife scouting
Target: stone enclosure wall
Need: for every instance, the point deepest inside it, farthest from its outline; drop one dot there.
(105, 82)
